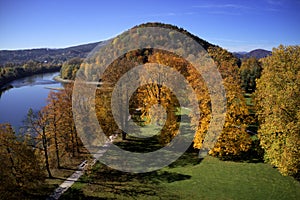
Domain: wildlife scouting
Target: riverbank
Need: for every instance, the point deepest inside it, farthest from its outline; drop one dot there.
(24, 94)
(61, 80)
(6, 80)
(5, 88)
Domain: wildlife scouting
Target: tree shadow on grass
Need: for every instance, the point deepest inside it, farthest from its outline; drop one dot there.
(110, 182)
(140, 145)
(188, 158)
(254, 155)
(108, 174)
(77, 194)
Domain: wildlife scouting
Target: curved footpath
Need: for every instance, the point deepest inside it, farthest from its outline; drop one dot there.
(77, 174)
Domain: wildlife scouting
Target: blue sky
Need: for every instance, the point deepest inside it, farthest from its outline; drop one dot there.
(234, 25)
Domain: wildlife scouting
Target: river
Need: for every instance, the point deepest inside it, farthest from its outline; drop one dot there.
(28, 92)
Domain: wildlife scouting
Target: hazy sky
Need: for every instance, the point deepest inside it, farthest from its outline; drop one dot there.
(240, 25)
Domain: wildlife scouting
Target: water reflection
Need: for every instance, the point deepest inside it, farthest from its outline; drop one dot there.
(29, 92)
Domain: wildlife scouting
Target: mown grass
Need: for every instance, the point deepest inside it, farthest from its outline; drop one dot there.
(215, 179)
(187, 178)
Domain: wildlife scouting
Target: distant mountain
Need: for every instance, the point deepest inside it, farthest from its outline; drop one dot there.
(257, 53)
(45, 54)
(241, 52)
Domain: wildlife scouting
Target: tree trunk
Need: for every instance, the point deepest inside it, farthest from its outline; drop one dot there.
(76, 139)
(124, 135)
(13, 168)
(46, 153)
(56, 148)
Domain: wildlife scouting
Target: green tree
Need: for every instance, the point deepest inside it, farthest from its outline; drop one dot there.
(250, 71)
(278, 109)
(69, 68)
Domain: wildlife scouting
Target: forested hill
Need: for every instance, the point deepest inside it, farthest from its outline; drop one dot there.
(45, 54)
(257, 53)
(58, 56)
(217, 53)
(202, 42)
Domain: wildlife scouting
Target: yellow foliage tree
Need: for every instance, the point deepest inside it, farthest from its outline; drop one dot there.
(234, 139)
(21, 172)
(278, 109)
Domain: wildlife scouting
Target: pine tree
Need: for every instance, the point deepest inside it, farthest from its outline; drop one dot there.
(249, 72)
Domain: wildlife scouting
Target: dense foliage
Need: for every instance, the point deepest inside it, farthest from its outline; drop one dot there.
(69, 68)
(278, 109)
(20, 172)
(234, 139)
(250, 70)
(12, 71)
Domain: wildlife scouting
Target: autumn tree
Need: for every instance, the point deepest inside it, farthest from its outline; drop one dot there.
(54, 128)
(115, 72)
(36, 124)
(70, 67)
(233, 140)
(66, 125)
(159, 103)
(278, 109)
(20, 170)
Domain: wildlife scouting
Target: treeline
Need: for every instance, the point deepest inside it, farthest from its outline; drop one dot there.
(69, 68)
(12, 71)
(53, 129)
(273, 83)
(54, 56)
(20, 63)
(278, 109)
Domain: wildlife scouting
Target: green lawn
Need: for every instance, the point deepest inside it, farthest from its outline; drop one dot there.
(215, 179)
(188, 178)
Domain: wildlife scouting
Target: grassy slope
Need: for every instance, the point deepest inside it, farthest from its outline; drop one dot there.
(188, 179)
(214, 179)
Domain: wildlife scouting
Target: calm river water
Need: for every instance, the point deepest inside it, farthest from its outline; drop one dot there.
(29, 92)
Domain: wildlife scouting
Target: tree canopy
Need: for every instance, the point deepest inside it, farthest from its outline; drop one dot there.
(20, 170)
(278, 109)
(250, 70)
(234, 139)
